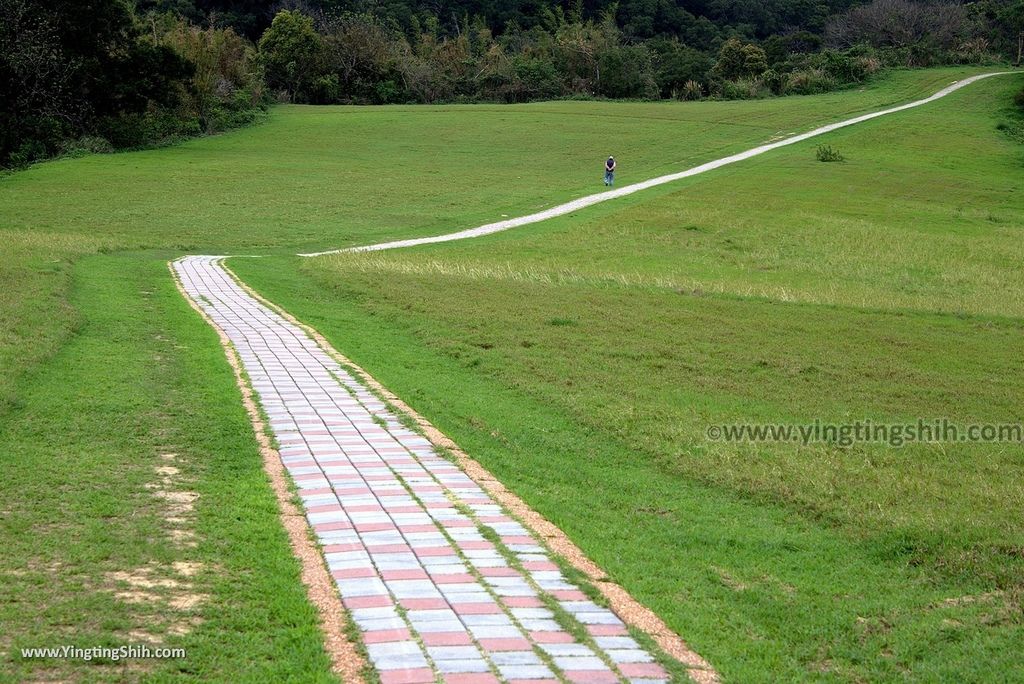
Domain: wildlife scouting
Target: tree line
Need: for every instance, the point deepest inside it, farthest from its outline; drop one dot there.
(118, 74)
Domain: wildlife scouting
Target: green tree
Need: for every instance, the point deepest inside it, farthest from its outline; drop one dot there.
(626, 72)
(227, 86)
(69, 69)
(292, 53)
(1010, 24)
(737, 60)
(676, 64)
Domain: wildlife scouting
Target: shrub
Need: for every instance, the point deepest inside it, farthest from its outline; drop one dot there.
(226, 118)
(975, 51)
(228, 80)
(155, 126)
(626, 72)
(325, 89)
(845, 68)
(87, 144)
(826, 153)
(691, 90)
(368, 60)
(67, 66)
(387, 92)
(736, 61)
(809, 82)
(743, 89)
(778, 48)
(899, 24)
(675, 65)
(26, 153)
(774, 81)
(923, 54)
(534, 79)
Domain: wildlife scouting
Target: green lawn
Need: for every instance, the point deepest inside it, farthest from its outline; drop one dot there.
(135, 509)
(312, 177)
(583, 359)
(104, 371)
(319, 177)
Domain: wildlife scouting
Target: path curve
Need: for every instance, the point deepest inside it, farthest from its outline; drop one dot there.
(589, 200)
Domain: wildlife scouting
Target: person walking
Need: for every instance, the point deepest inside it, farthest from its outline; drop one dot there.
(609, 172)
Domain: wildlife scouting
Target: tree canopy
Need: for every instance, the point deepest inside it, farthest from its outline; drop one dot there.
(128, 73)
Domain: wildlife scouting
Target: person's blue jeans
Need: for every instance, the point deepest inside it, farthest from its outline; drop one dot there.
(609, 178)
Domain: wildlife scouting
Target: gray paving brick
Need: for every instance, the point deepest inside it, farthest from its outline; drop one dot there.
(535, 625)
(601, 618)
(453, 652)
(607, 642)
(487, 619)
(580, 663)
(525, 672)
(516, 658)
(374, 624)
(400, 662)
(494, 632)
(578, 650)
(393, 648)
(458, 666)
(633, 655)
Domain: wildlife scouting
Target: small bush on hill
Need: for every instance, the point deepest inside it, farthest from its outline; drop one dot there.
(737, 60)
(87, 144)
(826, 153)
(691, 90)
(227, 89)
(70, 69)
(809, 82)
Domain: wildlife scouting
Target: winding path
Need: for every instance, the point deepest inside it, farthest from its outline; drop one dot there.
(597, 198)
(442, 582)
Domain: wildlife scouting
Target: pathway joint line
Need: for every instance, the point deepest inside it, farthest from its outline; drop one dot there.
(597, 198)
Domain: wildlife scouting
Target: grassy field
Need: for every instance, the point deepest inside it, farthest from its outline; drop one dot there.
(135, 507)
(317, 177)
(583, 359)
(105, 373)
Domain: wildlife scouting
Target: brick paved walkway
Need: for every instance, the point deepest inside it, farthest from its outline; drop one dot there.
(409, 538)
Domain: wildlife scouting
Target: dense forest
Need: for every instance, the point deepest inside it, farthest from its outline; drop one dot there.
(119, 74)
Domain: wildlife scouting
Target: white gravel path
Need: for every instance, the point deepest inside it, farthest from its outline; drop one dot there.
(589, 200)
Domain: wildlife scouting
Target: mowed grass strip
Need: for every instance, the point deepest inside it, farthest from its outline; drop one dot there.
(135, 510)
(582, 361)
